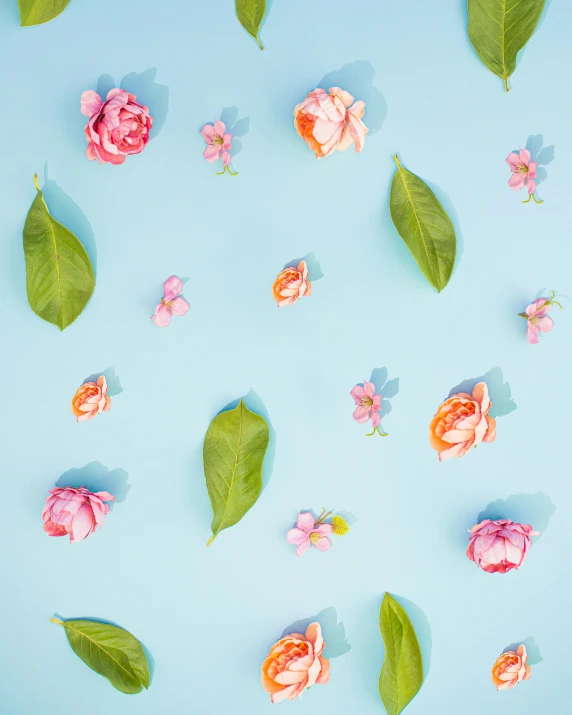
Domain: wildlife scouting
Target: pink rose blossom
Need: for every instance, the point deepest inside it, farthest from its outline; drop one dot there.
(536, 318)
(368, 406)
(77, 512)
(308, 532)
(117, 127)
(219, 141)
(523, 173)
(499, 546)
(171, 303)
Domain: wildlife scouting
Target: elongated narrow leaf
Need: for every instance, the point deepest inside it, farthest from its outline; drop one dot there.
(424, 225)
(499, 29)
(250, 14)
(59, 274)
(402, 672)
(36, 12)
(233, 453)
(111, 651)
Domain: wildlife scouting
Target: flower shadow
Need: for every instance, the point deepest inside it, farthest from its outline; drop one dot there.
(384, 387)
(98, 478)
(148, 92)
(499, 391)
(147, 652)
(66, 211)
(255, 404)
(334, 633)
(357, 79)
(534, 509)
(113, 383)
(532, 650)
(542, 155)
(235, 126)
(314, 269)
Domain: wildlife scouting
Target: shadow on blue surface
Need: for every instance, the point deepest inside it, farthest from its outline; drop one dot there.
(237, 127)
(357, 79)
(98, 478)
(147, 652)
(532, 650)
(314, 269)
(422, 629)
(499, 391)
(534, 509)
(334, 633)
(67, 212)
(542, 155)
(146, 90)
(255, 404)
(384, 387)
(113, 383)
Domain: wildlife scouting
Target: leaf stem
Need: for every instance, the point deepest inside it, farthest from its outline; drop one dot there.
(506, 84)
(213, 537)
(397, 161)
(36, 183)
(56, 620)
(259, 43)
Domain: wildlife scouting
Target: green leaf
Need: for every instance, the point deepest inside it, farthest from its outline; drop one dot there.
(233, 453)
(424, 225)
(499, 29)
(402, 672)
(36, 12)
(250, 14)
(59, 274)
(111, 651)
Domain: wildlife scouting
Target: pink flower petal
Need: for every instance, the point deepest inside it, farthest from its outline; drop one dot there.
(212, 153)
(513, 160)
(208, 132)
(296, 536)
(83, 523)
(323, 544)
(91, 103)
(172, 287)
(219, 128)
(544, 323)
(516, 182)
(358, 393)
(532, 334)
(305, 521)
(162, 317)
(362, 414)
(525, 156)
(304, 546)
(178, 306)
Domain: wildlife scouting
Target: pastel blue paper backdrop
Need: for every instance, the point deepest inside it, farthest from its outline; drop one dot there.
(208, 616)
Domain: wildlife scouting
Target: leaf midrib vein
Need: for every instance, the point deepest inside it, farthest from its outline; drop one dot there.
(97, 645)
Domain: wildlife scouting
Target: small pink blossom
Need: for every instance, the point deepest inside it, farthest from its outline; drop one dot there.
(77, 512)
(368, 406)
(308, 532)
(536, 318)
(219, 141)
(523, 173)
(172, 303)
(499, 546)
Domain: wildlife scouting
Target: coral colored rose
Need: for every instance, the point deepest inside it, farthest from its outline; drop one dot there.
(291, 285)
(294, 664)
(510, 668)
(330, 122)
(461, 422)
(76, 512)
(117, 127)
(308, 532)
(499, 546)
(90, 399)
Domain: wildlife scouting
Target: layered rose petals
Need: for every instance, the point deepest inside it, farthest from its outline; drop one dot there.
(291, 284)
(90, 399)
(510, 669)
(77, 512)
(499, 546)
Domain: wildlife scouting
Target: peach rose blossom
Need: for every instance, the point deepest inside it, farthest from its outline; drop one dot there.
(462, 422)
(294, 664)
(510, 668)
(330, 122)
(291, 285)
(90, 399)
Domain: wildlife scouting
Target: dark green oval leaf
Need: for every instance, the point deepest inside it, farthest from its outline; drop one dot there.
(59, 274)
(402, 672)
(499, 29)
(111, 651)
(233, 453)
(250, 14)
(424, 225)
(36, 12)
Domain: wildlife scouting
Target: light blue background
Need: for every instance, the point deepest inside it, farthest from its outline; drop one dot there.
(208, 616)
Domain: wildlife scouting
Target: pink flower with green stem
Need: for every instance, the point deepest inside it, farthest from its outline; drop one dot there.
(523, 174)
(537, 320)
(368, 407)
(308, 533)
(219, 142)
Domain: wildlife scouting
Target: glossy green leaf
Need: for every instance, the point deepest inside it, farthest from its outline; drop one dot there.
(402, 672)
(233, 453)
(111, 651)
(36, 12)
(250, 14)
(59, 275)
(424, 225)
(499, 29)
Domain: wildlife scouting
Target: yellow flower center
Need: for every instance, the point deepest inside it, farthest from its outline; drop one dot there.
(314, 538)
(217, 140)
(367, 402)
(522, 169)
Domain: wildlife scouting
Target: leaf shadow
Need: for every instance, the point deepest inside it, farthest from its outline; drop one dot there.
(334, 632)
(237, 127)
(98, 478)
(532, 650)
(113, 383)
(148, 655)
(68, 213)
(499, 391)
(255, 404)
(312, 263)
(534, 509)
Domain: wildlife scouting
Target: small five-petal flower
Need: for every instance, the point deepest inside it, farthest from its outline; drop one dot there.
(219, 142)
(536, 319)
